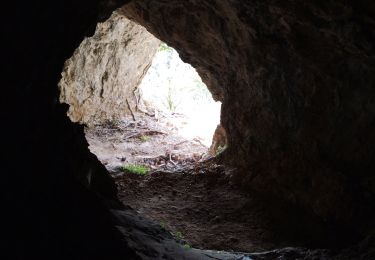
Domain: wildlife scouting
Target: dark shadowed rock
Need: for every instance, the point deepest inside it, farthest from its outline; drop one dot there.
(297, 83)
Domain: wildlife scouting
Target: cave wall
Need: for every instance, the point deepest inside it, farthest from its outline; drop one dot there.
(297, 83)
(98, 81)
(53, 188)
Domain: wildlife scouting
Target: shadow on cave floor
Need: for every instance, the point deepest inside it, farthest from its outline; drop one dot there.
(198, 206)
(187, 192)
(184, 191)
(203, 208)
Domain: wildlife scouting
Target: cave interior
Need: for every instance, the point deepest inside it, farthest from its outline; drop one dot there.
(296, 81)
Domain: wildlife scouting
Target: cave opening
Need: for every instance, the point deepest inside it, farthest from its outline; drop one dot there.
(143, 107)
(112, 87)
(155, 126)
(144, 111)
(297, 78)
(173, 87)
(174, 123)
(152, 122)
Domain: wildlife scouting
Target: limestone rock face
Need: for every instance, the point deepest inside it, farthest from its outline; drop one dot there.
(297, 83)
(99, 79)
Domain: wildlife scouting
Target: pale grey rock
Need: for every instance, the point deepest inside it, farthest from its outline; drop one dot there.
(105, 70)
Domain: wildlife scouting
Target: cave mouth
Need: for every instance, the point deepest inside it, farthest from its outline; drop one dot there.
(172, 181)
(171, 127)
(143, 107)
(299, 110)
(162, 169)
(156, 151)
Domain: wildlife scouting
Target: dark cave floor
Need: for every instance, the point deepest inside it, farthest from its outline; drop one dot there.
(203, 208)
(193, 201)
(199, 207)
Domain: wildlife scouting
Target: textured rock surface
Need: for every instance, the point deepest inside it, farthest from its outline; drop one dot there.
(104, 71)
(297, 83)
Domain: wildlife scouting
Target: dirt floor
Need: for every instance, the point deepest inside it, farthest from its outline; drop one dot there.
(198, 206)
(185, 191)
(147, 141)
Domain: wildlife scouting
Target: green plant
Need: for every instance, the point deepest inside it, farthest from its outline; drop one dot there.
(170, 101)
(179, 235)
(186, 246)
(163, 225)
(164, 47)
(220, 149)
(144, 138)
(137, 169)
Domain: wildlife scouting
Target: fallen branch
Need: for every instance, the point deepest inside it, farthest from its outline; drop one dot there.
(198, 141)
(151, 132)
(170, 159)
(145, 112)
(131, 111)
(181, 143)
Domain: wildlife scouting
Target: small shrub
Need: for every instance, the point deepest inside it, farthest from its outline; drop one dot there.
(186, 246)
(220, 149)
(137, 169)
(164, 47)
(179, 235)
(144, 138)
(163, 225)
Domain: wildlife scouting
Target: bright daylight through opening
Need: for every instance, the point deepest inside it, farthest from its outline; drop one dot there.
(174, 88)
(171, 123)
(141, 103)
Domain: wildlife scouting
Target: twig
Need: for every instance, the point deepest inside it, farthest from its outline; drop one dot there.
(150, 132)
(180, 143)
(136, 99)
(170, 159)
(131, 111)
(133, 135)
(145, 112)
(198, 141)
